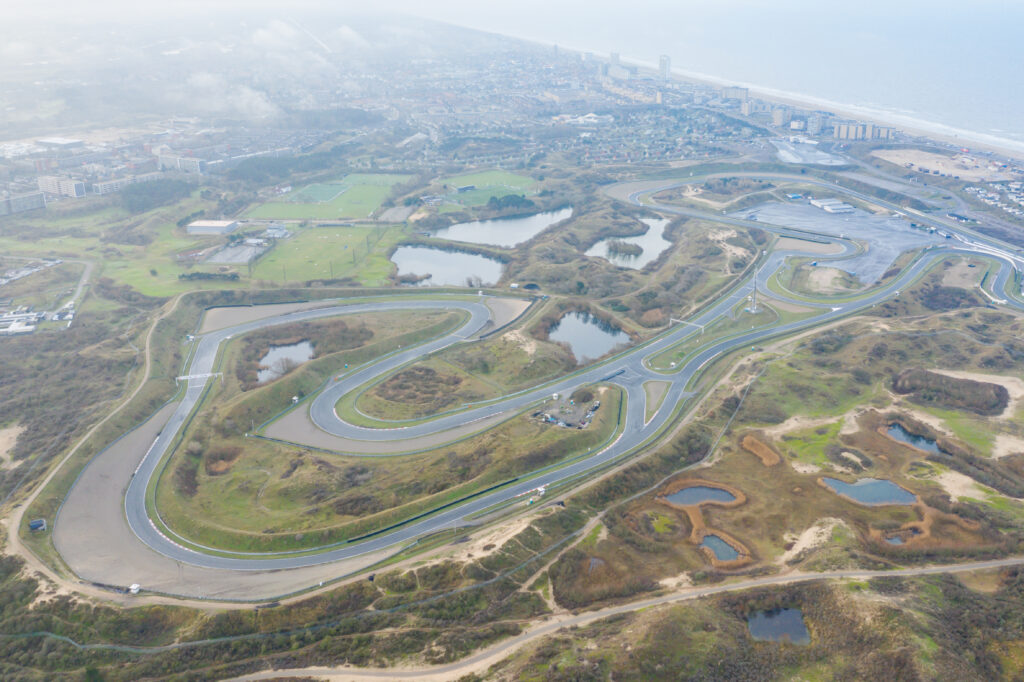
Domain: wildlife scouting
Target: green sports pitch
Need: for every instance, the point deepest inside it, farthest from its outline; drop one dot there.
(354, 197)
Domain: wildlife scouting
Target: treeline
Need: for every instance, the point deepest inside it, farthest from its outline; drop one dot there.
(510, 202)
(228, 276)
(144, 196)
(262, 169)
(939, 390)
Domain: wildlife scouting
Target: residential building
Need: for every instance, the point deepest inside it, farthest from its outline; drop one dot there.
(732, 92)
(665, 67)
(63, 187)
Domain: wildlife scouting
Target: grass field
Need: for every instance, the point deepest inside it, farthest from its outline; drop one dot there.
(332, 253)
(354, 197)
(493, 183)
(46, 289)
(150, 268)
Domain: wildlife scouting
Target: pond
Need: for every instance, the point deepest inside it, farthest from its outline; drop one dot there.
(279, 360)
(779, 625)
(872, 491)
(698, 494)
(447, 268)
(588, 337)
(507, 232)
(897, 432)
(722, 549)
(652, 242)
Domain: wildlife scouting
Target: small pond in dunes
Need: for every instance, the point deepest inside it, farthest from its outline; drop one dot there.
(588, 337)
(700, 493)
(779, 625)
(722, 549)
(897, 432)
(872, 491)
(280, 359)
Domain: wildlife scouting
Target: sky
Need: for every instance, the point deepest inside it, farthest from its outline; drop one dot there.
(947, 61)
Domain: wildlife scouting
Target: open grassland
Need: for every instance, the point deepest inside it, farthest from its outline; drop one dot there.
(354, 197)
(359, 253)
(45, 290)
(820, 410)
(885, 628)
(246, 494)
(139, 251)
(486, 184)
(425, 389)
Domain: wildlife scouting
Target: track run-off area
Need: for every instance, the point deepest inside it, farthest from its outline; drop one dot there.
(108, 530)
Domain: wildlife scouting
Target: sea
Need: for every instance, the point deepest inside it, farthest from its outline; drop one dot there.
(949, 68)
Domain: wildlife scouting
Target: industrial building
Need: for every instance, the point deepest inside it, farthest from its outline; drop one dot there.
(212, 226)
(832, 205)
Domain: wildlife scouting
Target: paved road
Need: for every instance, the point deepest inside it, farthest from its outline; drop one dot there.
(627, 369)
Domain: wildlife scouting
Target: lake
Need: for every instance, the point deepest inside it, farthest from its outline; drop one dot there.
(652, 242)
(698, 494)
(447, 268)
(280, 359)
(872, 491)
(506, 232)
(588, 337)
(779, 625)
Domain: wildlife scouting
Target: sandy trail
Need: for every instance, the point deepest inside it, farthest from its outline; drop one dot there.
(1006, 444)
(815, 536)
(958, 485)
(8, 437)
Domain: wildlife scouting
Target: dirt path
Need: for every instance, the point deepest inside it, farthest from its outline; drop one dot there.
(480, 662)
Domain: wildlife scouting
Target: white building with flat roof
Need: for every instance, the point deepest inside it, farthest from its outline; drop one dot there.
(212, 226)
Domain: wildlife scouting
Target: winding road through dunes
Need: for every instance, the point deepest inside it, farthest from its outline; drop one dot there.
(105, 534)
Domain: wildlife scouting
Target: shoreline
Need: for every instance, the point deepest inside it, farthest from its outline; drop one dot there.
(939, 132)
(907, 124)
